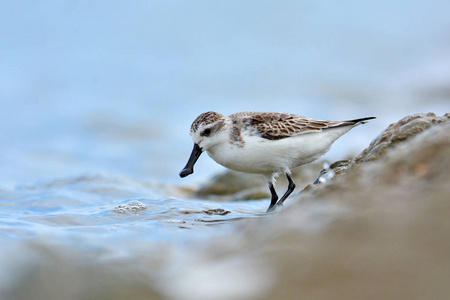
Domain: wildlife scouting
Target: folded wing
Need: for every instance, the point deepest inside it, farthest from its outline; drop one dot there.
(276, 126)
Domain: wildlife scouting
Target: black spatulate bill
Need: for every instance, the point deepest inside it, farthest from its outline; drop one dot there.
(189, 168)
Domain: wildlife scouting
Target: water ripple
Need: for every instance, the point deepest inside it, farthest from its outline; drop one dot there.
(111, 207)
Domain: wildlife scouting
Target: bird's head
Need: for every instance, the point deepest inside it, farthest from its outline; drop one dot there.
(207, 130)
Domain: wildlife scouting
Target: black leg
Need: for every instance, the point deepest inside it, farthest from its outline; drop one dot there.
(290, 189)
(274, 199)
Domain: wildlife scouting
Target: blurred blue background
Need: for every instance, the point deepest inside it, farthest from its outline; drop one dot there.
(113, 86)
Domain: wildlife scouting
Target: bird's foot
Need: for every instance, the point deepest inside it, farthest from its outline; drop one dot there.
(274, 208)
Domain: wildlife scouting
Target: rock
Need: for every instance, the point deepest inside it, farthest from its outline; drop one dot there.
(253, 194)
(336, 169)
(392, 136)
(399, 132)
(231, 185)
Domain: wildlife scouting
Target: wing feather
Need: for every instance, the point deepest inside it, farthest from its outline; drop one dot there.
(276, 126)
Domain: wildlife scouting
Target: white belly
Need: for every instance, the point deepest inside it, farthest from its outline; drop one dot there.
(264, 156)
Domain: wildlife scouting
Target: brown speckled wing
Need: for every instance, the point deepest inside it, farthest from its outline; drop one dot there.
(276, 126)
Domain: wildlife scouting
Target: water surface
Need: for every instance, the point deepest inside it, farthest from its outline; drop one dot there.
(96, 209)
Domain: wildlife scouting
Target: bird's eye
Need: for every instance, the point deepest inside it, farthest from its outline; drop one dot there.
(207, 132)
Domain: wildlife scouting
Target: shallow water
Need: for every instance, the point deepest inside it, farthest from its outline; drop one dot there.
(106, 222)
(101, 208)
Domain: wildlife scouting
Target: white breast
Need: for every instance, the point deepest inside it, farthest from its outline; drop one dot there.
(264, 156)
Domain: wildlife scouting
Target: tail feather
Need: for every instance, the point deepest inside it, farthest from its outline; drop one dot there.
(361, 120)
(352, 122)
